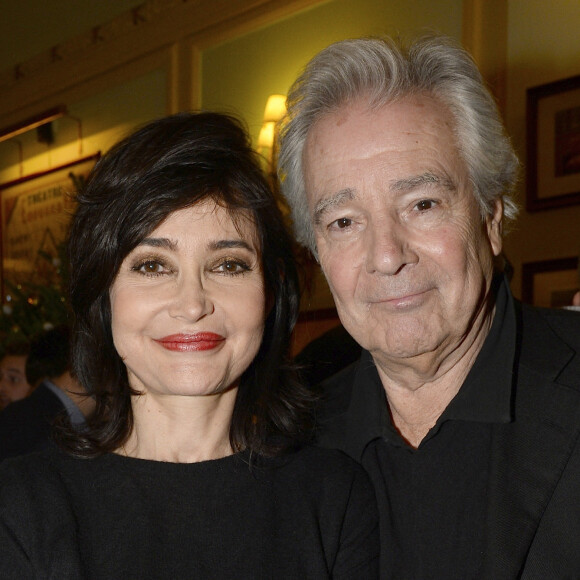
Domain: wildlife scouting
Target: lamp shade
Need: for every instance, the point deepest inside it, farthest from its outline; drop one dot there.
(275, 108)
(266, 137)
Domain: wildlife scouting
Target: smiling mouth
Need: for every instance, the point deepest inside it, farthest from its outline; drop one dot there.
(411, 299)
(191, 342)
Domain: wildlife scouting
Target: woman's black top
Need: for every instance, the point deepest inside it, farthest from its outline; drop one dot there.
(311, 514)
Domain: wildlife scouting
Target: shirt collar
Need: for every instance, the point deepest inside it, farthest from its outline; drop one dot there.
(485, 396)
(74, 413)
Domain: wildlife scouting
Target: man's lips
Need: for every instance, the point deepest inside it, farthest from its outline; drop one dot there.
(402, 298)
(191, 342)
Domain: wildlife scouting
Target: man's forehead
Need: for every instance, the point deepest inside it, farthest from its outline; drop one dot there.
(417, 132)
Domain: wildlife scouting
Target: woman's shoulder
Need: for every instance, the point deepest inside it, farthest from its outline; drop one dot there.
(35, 474)
(38, 463)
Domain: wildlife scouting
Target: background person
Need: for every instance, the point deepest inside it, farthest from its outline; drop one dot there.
(193, 465)
(465, 405)
(13, 383)
(26, 425)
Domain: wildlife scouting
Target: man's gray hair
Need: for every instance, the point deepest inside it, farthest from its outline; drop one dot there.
(383, 71)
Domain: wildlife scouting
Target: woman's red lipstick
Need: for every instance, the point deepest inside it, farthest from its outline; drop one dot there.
(191, 342)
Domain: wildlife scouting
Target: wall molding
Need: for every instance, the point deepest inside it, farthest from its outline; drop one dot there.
(174, 33)
(184, 27)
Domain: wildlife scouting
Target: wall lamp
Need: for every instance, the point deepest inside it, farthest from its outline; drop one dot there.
(33, 122)
(274, 111)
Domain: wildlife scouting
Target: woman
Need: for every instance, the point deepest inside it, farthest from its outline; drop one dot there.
(194, 464)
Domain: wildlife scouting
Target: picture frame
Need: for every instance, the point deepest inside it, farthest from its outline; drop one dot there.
(553, 144)
(550, 283)
(35, 211)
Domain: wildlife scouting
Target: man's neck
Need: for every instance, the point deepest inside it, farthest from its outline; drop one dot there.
(419, 390)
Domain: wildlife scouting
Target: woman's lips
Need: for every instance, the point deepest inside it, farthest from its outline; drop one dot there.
(191, 342)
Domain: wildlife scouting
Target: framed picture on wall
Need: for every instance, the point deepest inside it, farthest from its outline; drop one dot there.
(553, 144)
(550, 283)
(35, 211)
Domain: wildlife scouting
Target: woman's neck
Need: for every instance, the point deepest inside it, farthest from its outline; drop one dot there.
(180, 429)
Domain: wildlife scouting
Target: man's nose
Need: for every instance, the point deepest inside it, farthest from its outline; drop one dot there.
(388, 248)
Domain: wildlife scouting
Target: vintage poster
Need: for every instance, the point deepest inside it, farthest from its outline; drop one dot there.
(35, 212)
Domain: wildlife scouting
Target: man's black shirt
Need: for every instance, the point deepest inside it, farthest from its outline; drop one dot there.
(432, 499)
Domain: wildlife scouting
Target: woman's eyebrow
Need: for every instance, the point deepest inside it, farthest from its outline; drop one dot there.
(226, 244)
(159, 243)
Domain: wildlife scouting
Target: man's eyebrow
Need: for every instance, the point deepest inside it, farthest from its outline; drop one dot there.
(415, 181)
(325, 204)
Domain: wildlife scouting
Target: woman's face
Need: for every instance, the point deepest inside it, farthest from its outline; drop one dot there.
(189, 304)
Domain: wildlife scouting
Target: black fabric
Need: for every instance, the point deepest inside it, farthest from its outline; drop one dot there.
(25, 425)
(470, 500)
(326, 355)
(310, 515)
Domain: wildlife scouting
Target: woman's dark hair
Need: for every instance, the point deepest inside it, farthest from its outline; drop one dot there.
(171, 164)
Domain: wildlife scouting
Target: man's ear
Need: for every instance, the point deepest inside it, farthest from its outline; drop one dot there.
(494, 228)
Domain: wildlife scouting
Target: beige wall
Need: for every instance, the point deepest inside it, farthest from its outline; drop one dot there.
(231, 54)
(239, 75)
(543, 46)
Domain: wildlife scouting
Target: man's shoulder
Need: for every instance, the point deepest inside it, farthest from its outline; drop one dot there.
(41, 401)
(550, 339)
(25, 425)
(548, 369)
(565, 323)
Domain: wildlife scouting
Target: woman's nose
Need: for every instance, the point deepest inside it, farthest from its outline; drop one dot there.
(191, 300)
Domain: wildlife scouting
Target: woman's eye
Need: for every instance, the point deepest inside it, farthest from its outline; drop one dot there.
(232, 267)
(151, 267)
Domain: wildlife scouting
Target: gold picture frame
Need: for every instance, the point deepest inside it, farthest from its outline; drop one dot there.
(35, 211)
(553, 144)
(550, 283)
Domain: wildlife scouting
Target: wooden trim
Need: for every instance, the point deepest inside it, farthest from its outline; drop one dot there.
(485, 29)
(182, 27)
(19, 180)
(531, 269)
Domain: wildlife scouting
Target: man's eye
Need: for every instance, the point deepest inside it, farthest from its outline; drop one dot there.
(425, 204)
(342, 223)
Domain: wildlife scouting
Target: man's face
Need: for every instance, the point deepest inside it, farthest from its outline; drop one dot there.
(399, 233)
(13, 384)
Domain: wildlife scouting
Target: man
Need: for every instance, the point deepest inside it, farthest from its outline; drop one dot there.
(13, 383)
(465, 405)
(25, 425)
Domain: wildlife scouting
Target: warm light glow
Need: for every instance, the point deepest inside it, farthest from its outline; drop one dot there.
(275, 108)
(33, 122)
(266, 138)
